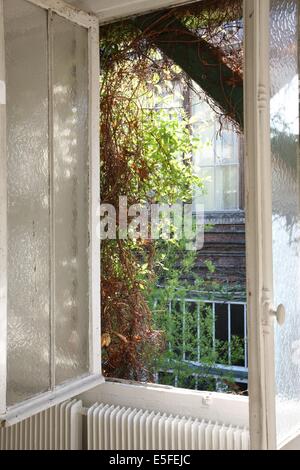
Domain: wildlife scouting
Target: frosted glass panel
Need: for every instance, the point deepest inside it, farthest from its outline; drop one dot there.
(286, 210)
(28, 201)
(70, 94)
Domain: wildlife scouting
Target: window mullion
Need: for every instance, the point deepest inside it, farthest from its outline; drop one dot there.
(94, 201)
(51, 201)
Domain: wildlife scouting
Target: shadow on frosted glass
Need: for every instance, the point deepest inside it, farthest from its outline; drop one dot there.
(28, 201)
(286, 210)
(70, 94)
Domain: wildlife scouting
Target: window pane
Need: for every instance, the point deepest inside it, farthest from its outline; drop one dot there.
(28, 200)
(204, 152)
(227, 147)
(286, 210)
(206, 197)
(70, 94)
(227, 187)
(203, 129)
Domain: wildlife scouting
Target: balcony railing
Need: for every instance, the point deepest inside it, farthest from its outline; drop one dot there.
(228, 327)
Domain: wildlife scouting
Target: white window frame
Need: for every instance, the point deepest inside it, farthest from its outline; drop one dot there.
(262, 415)
(60, 393)
(259, 243)
(258, 208)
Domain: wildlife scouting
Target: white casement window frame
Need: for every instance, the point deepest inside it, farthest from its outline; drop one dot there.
(262, 420)
(262, 414)
(258, 169)
(60, 393)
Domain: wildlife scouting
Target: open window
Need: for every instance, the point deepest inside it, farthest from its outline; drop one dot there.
(49, 195)
(171, 308)
(49, 315)
(271, 77)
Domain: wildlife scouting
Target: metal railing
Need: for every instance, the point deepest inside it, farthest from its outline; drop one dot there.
(235, 313)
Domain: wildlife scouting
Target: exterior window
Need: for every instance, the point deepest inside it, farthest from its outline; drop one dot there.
(217, 156)
(216, 159)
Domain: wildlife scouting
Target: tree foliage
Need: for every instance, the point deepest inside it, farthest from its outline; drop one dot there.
(146, 151)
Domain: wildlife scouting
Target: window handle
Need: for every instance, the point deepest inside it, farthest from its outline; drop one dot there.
(270, 312)
(279, 314)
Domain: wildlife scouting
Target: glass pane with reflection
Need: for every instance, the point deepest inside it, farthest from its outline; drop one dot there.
(286, 210)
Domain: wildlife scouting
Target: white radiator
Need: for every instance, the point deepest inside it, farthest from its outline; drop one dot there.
(120, 428)
(58, 428)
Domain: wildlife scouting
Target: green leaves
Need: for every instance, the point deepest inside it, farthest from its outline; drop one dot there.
(167, 147)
